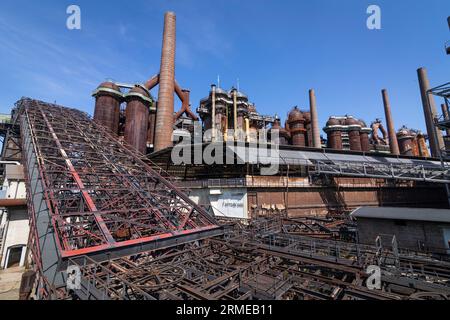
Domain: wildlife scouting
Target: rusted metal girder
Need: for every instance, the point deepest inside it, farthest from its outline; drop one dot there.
(247, 263)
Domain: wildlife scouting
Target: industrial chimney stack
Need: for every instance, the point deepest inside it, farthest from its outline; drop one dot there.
(314, 120)
(429, 109)
(164, 115)
(393, 143)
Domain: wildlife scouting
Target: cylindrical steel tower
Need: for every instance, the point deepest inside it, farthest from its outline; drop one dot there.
(137, 117)
(296, 123)
(107, 106)
(405, 141)
(353, 133)
(334, 134)
(364, 136)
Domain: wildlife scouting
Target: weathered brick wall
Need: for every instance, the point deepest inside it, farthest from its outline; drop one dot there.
(319, 200)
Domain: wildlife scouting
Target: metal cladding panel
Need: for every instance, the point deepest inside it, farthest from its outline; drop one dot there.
(417, 214)
(98, 195)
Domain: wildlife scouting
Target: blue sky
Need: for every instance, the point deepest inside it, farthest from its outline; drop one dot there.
(277, 49)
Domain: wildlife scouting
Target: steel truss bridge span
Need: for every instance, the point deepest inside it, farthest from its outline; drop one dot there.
(89, 194)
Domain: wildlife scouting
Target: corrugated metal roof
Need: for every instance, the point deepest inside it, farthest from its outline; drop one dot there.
(305, 157)
(391, 213)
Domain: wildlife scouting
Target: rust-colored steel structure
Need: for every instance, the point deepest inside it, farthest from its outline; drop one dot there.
(96, 194)
(393, 144)
(269, 259)
(164, 115)
(108, 98)
(296, 121)
(364, 136)
(429, 109)
(406, 141)
(137, 118)
(354, 128)
(279, 135)
(334, 131)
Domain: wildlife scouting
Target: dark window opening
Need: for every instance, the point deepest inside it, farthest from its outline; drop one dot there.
(15, 253)
(401, 223)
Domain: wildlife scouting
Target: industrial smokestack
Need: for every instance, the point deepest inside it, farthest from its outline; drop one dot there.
(213, 112)
(393, 143)
(164, 115)
(314, 120)
(429, 110)
(446, 116)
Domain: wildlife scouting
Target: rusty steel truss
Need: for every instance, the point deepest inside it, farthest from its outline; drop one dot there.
(89, 194)
(261, 261)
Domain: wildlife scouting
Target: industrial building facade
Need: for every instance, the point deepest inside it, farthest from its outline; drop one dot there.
(104, 195)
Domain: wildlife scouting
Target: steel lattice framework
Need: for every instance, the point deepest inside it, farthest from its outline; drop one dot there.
(260, 261)
(100, 195)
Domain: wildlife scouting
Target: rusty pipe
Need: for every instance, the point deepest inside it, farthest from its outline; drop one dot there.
(393, 143)
(164, 115)
(152, 82)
